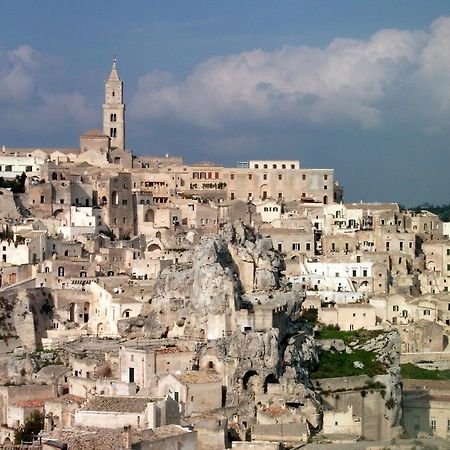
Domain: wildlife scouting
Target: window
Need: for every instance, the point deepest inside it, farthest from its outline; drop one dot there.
(325, 177)
(325, 187)
(250, 176)
(113, 132)
(308, 246)
(124, 202)
(387, 245)
(231, 176)
(395, 308)
(113, 117)
(8, 168)
(296, 246)
(448, 424)
(427, 312)
(401, 246)
(404, 313)
(232, 196)
(256, 166)
(448, 266)
(274, 166)
(303, 177)
(28, 168)
(354, 273)
(265, 166)
(292, 166)
(283, 166)
(265, 176)
(433, 424)
(351, 327)
(280, 177)
(42, 199)
(365, 273)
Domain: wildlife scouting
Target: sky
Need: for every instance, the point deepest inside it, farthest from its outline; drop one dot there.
(360, 86)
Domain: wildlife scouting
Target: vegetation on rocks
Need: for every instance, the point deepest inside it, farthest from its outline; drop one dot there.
(340, 364)
(410, 371)
(333, 332)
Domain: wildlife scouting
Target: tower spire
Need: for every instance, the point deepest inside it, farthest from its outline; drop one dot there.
(114, 75)
(114, 109)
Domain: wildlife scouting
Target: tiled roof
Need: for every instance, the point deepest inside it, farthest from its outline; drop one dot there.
(30, 403)
(118, 404)
(83, 438)
(196, 377)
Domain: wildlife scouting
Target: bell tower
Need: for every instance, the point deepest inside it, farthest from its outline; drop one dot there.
(114, 109)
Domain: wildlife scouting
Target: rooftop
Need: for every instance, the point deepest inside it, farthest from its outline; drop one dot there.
(89, 438)
(118, 404)
(197, 377)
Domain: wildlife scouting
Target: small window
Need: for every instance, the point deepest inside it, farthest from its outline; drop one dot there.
(250, 176)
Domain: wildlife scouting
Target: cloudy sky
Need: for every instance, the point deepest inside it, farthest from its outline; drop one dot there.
(362, 86)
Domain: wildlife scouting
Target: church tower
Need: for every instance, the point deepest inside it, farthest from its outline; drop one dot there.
(114, 109)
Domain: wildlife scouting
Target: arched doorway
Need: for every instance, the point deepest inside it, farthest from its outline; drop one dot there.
(72, 312)
(86, 307)
(150, 216)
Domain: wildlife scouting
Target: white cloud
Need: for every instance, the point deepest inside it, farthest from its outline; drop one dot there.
(27, 99)
(350, 81)
(17, 68)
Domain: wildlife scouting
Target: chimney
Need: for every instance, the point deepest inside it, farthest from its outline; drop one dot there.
(126, 437)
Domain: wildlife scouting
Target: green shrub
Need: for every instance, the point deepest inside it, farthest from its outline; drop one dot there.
(33, 425)
(410, 371)
(336, 365)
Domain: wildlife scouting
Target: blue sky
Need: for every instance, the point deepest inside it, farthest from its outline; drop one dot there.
(359, 86)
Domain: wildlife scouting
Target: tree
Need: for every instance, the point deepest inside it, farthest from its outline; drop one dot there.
(310, 314)
(33, 425)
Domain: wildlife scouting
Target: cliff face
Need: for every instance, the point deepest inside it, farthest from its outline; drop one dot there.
(201, 298)
(232, 292)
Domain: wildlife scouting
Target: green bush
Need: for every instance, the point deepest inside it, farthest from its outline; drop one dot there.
(410, 371)
(310, 315)
(336, 364)
(33, 425)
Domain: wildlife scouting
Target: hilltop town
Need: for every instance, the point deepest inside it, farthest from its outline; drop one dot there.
(147, 303)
